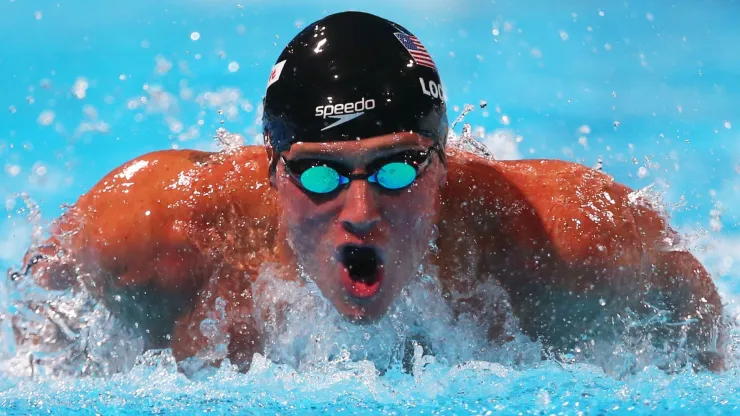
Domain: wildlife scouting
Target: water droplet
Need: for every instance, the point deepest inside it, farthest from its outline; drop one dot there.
(79, 89)
(46, 118)
(13, 170)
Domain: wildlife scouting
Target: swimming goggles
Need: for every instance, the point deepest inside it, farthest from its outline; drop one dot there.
(392, 173)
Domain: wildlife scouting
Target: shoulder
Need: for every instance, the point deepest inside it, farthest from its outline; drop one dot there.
(582, 213)
(173, 172)
(168, 188)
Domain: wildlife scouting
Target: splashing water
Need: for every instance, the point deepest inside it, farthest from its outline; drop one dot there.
(228, 141)
(78, 358)
(305, 331)
(419, 356)
(466, 141)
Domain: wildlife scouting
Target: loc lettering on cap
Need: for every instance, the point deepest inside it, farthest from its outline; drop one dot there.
(275, 73)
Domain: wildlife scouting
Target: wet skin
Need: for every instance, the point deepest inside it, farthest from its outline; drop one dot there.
(161, 237)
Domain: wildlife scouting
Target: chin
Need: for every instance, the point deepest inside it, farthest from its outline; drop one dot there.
(361, 315)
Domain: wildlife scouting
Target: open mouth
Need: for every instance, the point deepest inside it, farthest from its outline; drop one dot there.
(361, 271)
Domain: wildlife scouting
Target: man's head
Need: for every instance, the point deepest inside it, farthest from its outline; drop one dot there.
(355, 124)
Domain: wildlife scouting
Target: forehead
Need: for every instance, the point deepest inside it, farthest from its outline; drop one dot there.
(360, 150)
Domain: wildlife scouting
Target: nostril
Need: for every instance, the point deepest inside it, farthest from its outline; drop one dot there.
(360, 228)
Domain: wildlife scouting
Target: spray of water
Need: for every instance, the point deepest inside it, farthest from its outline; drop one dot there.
(466, 141)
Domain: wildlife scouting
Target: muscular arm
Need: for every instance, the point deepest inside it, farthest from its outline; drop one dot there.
(154, 233)
(128, 241)
(576, 253)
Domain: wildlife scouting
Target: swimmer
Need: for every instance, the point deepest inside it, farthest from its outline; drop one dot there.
(352, 184)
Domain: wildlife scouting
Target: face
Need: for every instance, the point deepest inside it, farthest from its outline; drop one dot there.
(362, 242)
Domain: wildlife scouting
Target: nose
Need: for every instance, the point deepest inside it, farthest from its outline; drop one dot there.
(360, 214)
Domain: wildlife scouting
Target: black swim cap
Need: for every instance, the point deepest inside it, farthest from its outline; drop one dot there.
(353, 75)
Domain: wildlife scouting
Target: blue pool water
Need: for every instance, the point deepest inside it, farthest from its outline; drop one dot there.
(648, 88)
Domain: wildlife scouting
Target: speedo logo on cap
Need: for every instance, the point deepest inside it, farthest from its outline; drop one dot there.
(344, 112)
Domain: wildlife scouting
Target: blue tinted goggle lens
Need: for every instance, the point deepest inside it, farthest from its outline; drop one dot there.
(324, 179)
(321, 179)
(395, 175)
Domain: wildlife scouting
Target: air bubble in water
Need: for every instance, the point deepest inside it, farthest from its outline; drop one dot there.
(195, 36)
(233, 66)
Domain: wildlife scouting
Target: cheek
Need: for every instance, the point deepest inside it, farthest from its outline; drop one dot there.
(306, 221)
(293, 203)
(413, 212)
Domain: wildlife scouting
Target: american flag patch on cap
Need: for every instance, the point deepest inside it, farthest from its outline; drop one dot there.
(416, 49)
